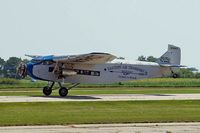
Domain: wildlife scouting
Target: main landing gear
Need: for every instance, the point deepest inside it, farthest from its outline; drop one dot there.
(173, 74)
(63, 91)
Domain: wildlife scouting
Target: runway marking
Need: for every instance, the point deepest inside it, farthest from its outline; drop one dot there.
(113, 97)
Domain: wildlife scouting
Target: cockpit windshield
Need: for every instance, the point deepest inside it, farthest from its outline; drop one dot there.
(44, 62)
(35, 61)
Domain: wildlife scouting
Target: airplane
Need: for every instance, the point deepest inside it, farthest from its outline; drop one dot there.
(96, 68)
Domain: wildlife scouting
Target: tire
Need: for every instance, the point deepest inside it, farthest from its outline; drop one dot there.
(63, 92)
(175, 75)
(47, 91)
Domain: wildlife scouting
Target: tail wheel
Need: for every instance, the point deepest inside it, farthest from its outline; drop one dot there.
(175, 75)
(47, 91)
(63, 91)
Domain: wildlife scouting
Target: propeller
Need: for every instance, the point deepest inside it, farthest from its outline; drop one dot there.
(22, 70)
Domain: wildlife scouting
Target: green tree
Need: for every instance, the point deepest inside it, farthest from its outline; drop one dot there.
(197, 75)
(151, 59)
(186, 73)
(141, 58)
(2, 62)
(148, 59)
(11, 66)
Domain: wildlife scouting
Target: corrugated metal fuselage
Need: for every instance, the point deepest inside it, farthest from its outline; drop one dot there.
(98, 73)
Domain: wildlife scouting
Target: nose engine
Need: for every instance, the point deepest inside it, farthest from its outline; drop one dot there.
(22, 70)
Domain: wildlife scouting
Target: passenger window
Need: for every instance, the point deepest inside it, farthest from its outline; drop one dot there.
(51, 69)
(47, 62)
(88, 72)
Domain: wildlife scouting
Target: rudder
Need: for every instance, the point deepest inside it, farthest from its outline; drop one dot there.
(171, 57)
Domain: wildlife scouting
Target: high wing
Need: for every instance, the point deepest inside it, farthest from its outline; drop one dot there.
(93, 58)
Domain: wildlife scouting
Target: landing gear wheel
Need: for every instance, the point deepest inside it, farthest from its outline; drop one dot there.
(175, 75)
(63, 91)
(47, 91)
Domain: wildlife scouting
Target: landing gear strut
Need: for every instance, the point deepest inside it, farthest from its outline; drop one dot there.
(63, 91)
(173, 74)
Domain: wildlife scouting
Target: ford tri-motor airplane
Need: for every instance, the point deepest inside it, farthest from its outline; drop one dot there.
(96, 68)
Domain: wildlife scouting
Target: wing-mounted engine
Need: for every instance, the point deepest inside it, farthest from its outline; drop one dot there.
(63, 70)
(68, 72)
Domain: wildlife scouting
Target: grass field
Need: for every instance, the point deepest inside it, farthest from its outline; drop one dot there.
(98, 112)
(158, 82)
(51, 113)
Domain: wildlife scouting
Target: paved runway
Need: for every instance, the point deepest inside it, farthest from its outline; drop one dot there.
(116, 97)
(108, 128)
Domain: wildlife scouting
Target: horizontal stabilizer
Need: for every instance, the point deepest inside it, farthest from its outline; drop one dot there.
(168, 65)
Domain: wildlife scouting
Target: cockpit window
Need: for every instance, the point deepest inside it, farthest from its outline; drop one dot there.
(47, 62)
(44, 62)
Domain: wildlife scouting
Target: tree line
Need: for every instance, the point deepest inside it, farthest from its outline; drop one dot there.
(8, 68)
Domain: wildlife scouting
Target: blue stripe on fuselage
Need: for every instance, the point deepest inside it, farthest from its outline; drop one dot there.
(30, 70)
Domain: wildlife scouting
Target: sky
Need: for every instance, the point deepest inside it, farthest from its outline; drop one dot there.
(127, 28)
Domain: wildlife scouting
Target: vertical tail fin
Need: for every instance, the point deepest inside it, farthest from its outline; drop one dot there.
(171, 57)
